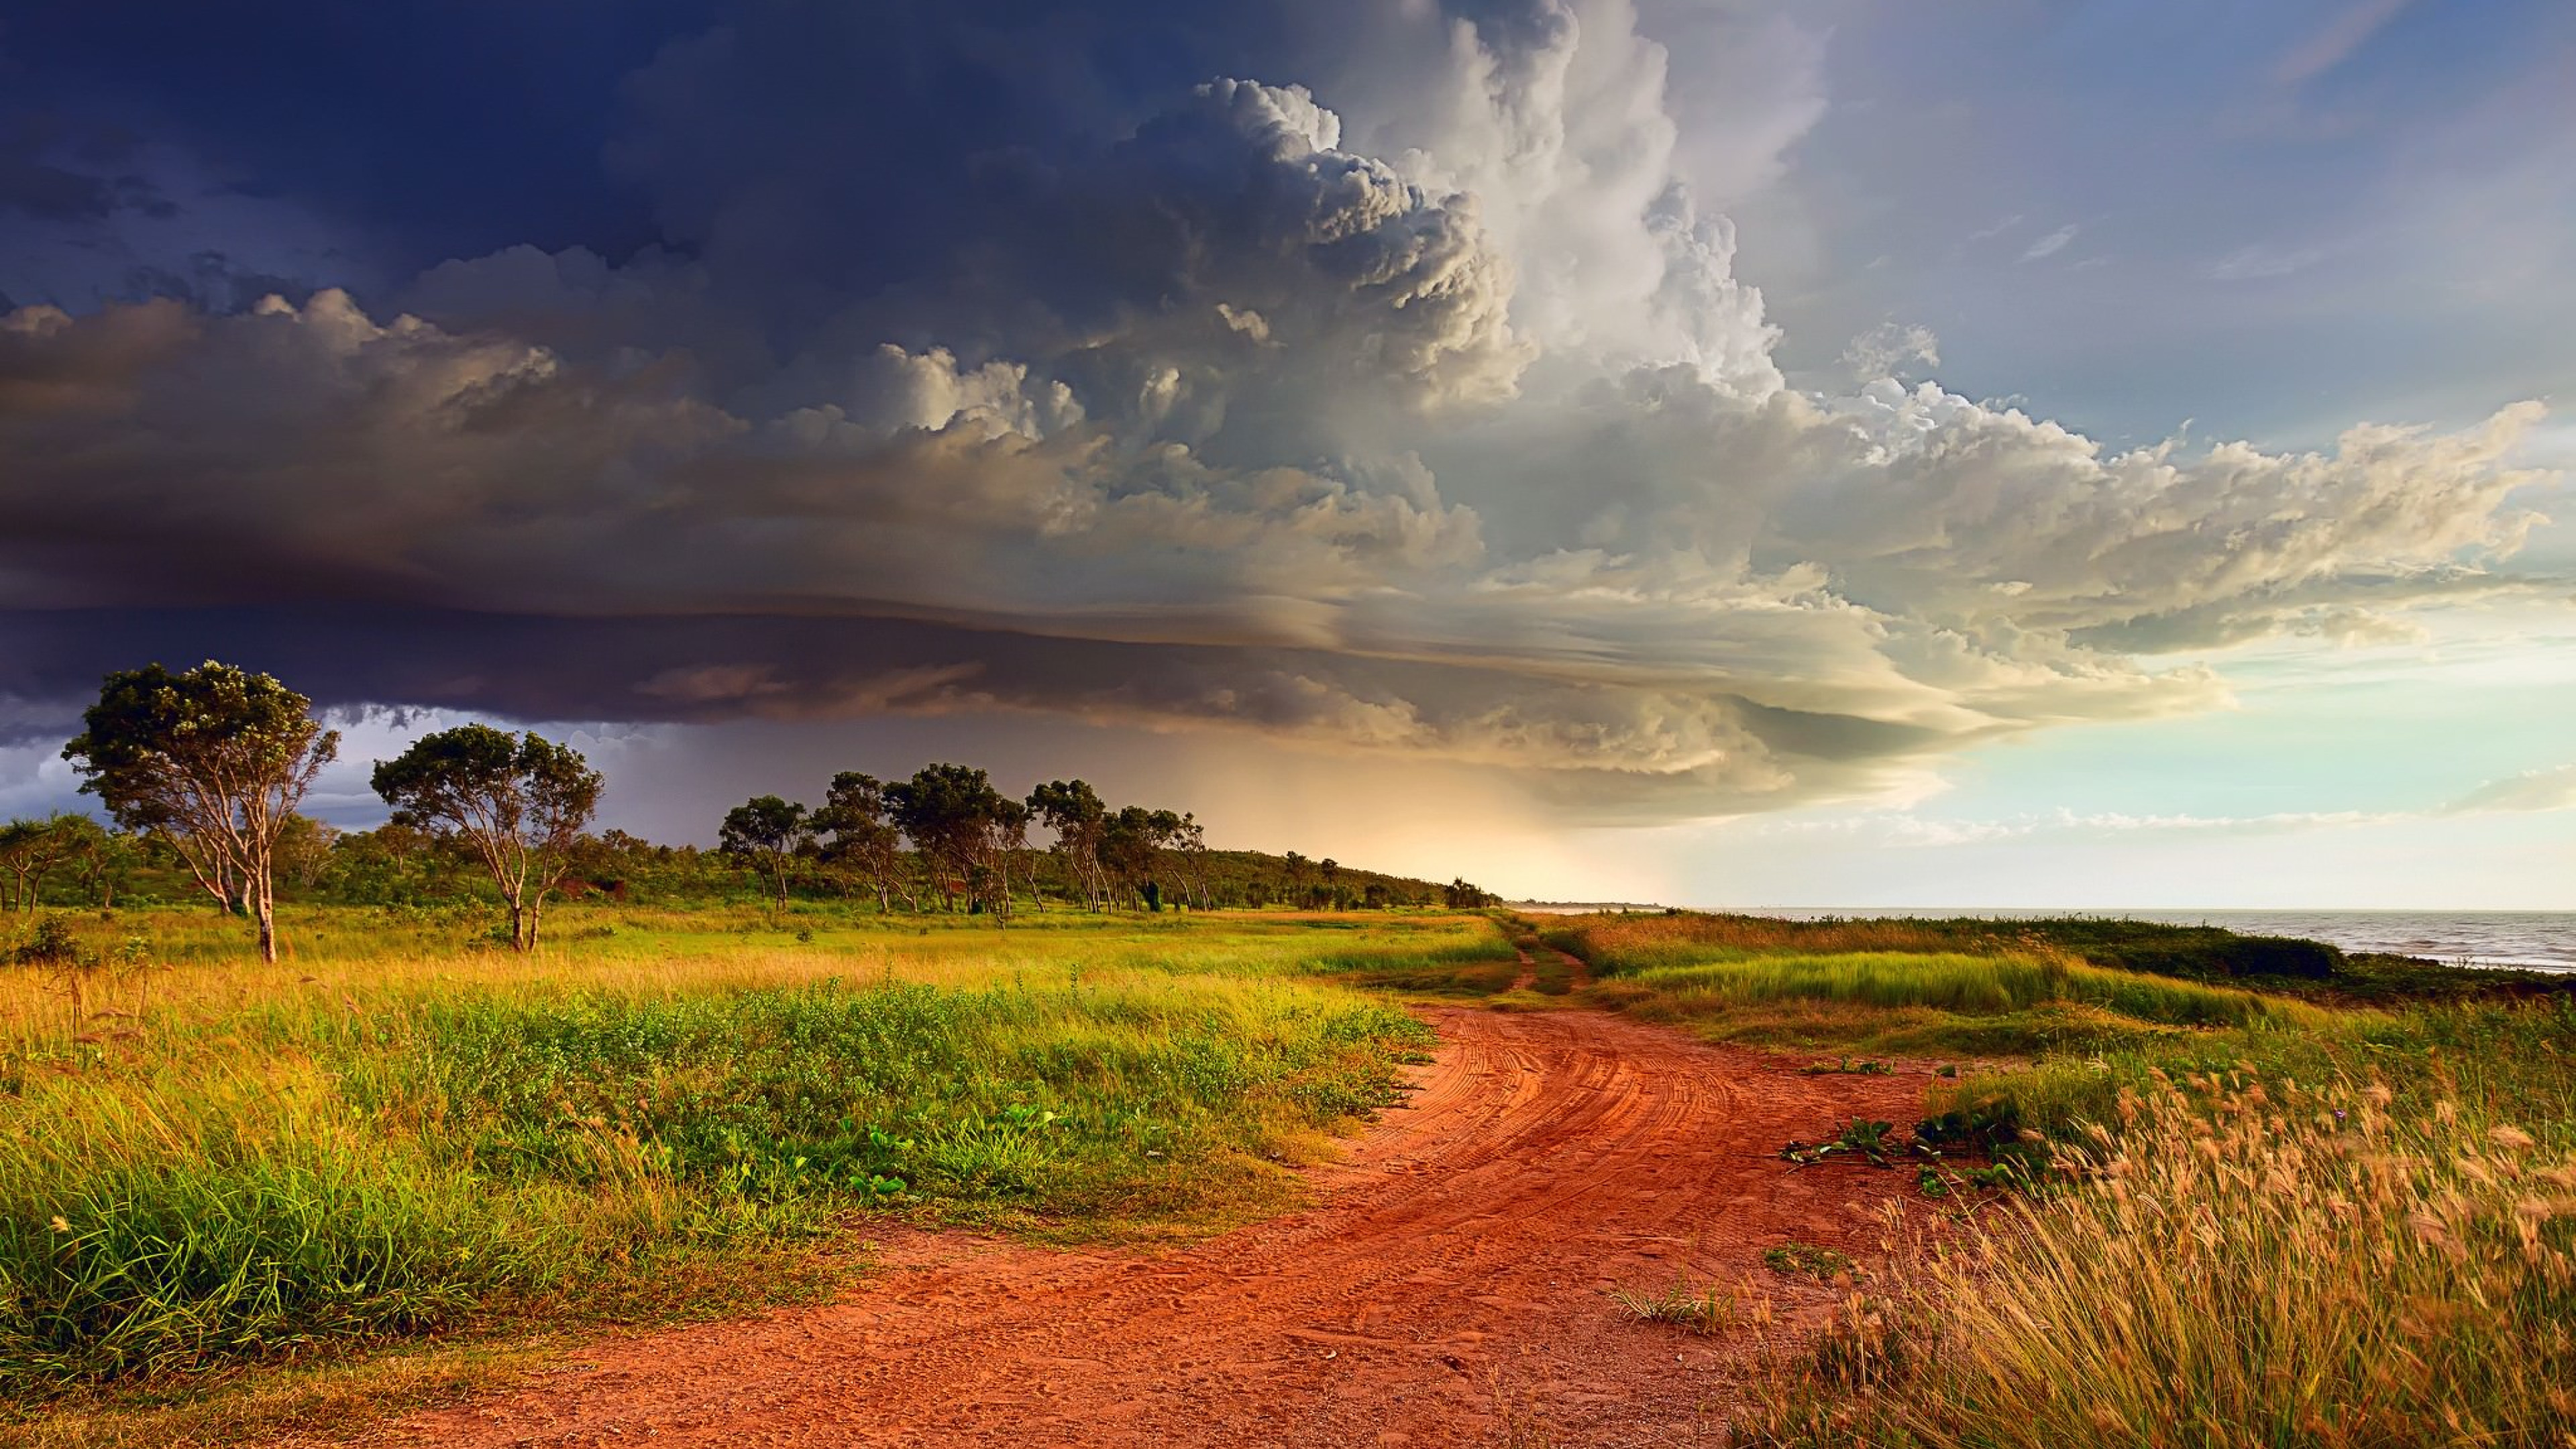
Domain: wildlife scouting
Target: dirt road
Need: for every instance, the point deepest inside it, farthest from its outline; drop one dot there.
(1445, 1287)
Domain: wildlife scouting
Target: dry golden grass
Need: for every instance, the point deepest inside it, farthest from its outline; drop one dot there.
(1644, 940)
(2239, 1264)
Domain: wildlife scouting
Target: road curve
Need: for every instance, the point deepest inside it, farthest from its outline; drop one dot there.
(1445, 1285)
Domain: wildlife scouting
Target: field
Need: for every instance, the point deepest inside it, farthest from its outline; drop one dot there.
(399, 1132)
(404, 1164)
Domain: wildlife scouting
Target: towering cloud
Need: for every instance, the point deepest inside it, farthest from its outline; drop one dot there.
(1387, 389)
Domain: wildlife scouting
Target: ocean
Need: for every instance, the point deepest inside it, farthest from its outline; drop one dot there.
(2540, 940)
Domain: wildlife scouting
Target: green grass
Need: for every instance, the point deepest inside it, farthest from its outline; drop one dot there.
(219, 1164)
(1948, 1003)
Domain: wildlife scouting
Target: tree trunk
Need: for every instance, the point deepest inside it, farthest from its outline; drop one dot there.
(523, 938)
(266, 906)
(536, 914)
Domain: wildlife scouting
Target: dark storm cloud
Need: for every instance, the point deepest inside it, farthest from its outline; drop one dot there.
(1361, 376)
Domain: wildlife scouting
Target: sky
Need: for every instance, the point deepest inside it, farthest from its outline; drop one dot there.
(1841, 453)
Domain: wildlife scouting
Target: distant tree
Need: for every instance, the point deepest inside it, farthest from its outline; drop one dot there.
(858, 840)
(956, 819)
(1006, 837)
(1188, 843)
(31, 850)
(1131, 849)
(305, 850)
(215, 760)
(1464, 897)
(765, 833)
(1072, 810)
(518, 802)
(101, 858)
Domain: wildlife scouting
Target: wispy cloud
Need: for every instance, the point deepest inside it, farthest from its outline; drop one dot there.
(2254, 262)
(2531, 790)
(2051, 244)
(2331, 46)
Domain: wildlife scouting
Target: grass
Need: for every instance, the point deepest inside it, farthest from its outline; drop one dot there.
(2271, 1197)
(2240, 1261)
(2261, 1206)
(1797, 1259)
(1943, 1003)
(1699, 1307)
(206, 1165)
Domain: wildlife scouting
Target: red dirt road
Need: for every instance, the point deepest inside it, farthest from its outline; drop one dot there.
(1445, 1286)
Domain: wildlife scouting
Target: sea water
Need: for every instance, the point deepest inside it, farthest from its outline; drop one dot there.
(2542, 940)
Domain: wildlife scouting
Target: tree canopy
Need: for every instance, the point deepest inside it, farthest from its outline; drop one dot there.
(215, 760)
(519, 802)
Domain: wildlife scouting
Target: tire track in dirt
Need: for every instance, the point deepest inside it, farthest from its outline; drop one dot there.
(1445, 1286)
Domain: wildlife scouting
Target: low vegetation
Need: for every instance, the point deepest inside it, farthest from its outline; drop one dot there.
(1699, 1307)
(209, 1164)
(2259, 1195)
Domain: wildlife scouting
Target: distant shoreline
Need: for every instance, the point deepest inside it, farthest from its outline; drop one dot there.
(2532, 939)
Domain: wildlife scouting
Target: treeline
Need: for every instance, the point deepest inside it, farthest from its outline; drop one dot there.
(400, 865)
(947, 840)
(202, 773)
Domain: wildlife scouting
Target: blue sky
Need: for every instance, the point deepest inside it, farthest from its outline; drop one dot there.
(1840, 453)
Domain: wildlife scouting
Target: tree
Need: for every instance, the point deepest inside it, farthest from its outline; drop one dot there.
(101, 858)
(1006, 835)
(519, 802)
(765, 832)
(955, 818)
(1072, 810)
(1465, 897)
(1131, 847)
(216, 760)
(859, 839)
(31, 850)
(305, 850)
(1190, 860)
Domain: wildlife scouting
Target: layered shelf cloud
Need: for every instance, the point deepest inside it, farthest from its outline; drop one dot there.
(1387, 390)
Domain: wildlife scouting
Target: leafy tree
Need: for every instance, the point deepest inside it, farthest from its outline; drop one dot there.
(1464, 897)
(956, 819)
(306, 849)
(215, 760)
(1189, 848)
(519, 802)
(1131, 847)
(1072, 810)
(765, 832)
(31, 850)
(100, 858)
(859, 839)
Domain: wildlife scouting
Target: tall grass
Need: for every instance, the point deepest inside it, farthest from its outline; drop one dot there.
(231, 1162)
(1620, 944)
(1948, 981)
(2242, 1262)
